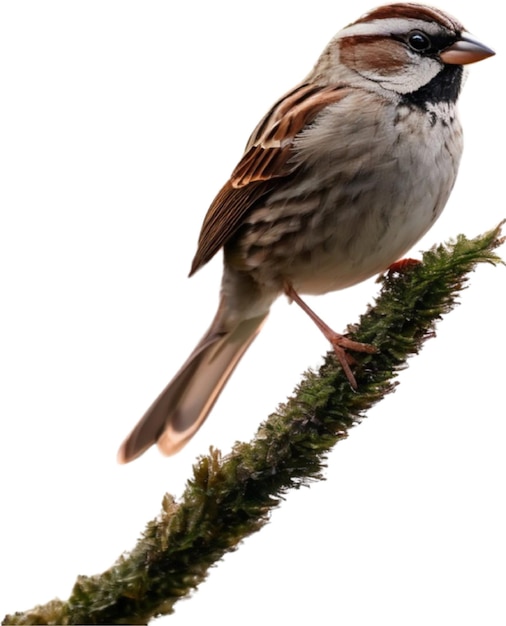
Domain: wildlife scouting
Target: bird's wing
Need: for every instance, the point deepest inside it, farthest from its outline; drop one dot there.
(265, 161)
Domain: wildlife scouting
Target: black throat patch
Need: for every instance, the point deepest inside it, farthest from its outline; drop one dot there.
(445, 87)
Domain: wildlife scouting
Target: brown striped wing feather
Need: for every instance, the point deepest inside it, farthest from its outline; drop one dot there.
(267, 158)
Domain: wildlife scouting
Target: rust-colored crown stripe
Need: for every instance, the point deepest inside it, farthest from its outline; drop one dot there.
(411, 11)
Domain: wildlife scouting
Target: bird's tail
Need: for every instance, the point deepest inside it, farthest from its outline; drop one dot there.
(181, 408)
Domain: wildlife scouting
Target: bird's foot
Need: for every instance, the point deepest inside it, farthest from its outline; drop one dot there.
(341, 345)
(400, 266)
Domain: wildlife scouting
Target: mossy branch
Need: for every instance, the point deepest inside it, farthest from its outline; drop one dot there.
(230, 497)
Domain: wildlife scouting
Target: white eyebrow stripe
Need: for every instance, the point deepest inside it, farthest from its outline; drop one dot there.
(392, 26)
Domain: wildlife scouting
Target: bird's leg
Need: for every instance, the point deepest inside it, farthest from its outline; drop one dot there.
(340, 343)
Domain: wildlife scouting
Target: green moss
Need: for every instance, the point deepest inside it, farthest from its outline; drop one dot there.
(228, 498)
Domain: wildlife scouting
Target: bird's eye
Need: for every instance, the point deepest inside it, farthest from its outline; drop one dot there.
(419, 41)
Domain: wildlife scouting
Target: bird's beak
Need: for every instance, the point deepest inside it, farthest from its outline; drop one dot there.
(466, 50)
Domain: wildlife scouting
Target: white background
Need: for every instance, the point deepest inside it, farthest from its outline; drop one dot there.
(119, 122)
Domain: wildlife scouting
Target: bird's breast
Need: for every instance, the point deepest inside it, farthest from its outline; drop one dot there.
(366, 191)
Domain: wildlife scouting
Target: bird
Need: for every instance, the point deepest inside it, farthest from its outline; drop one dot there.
(343, 175)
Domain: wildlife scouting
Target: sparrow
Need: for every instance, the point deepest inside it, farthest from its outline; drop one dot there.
(344, 174)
